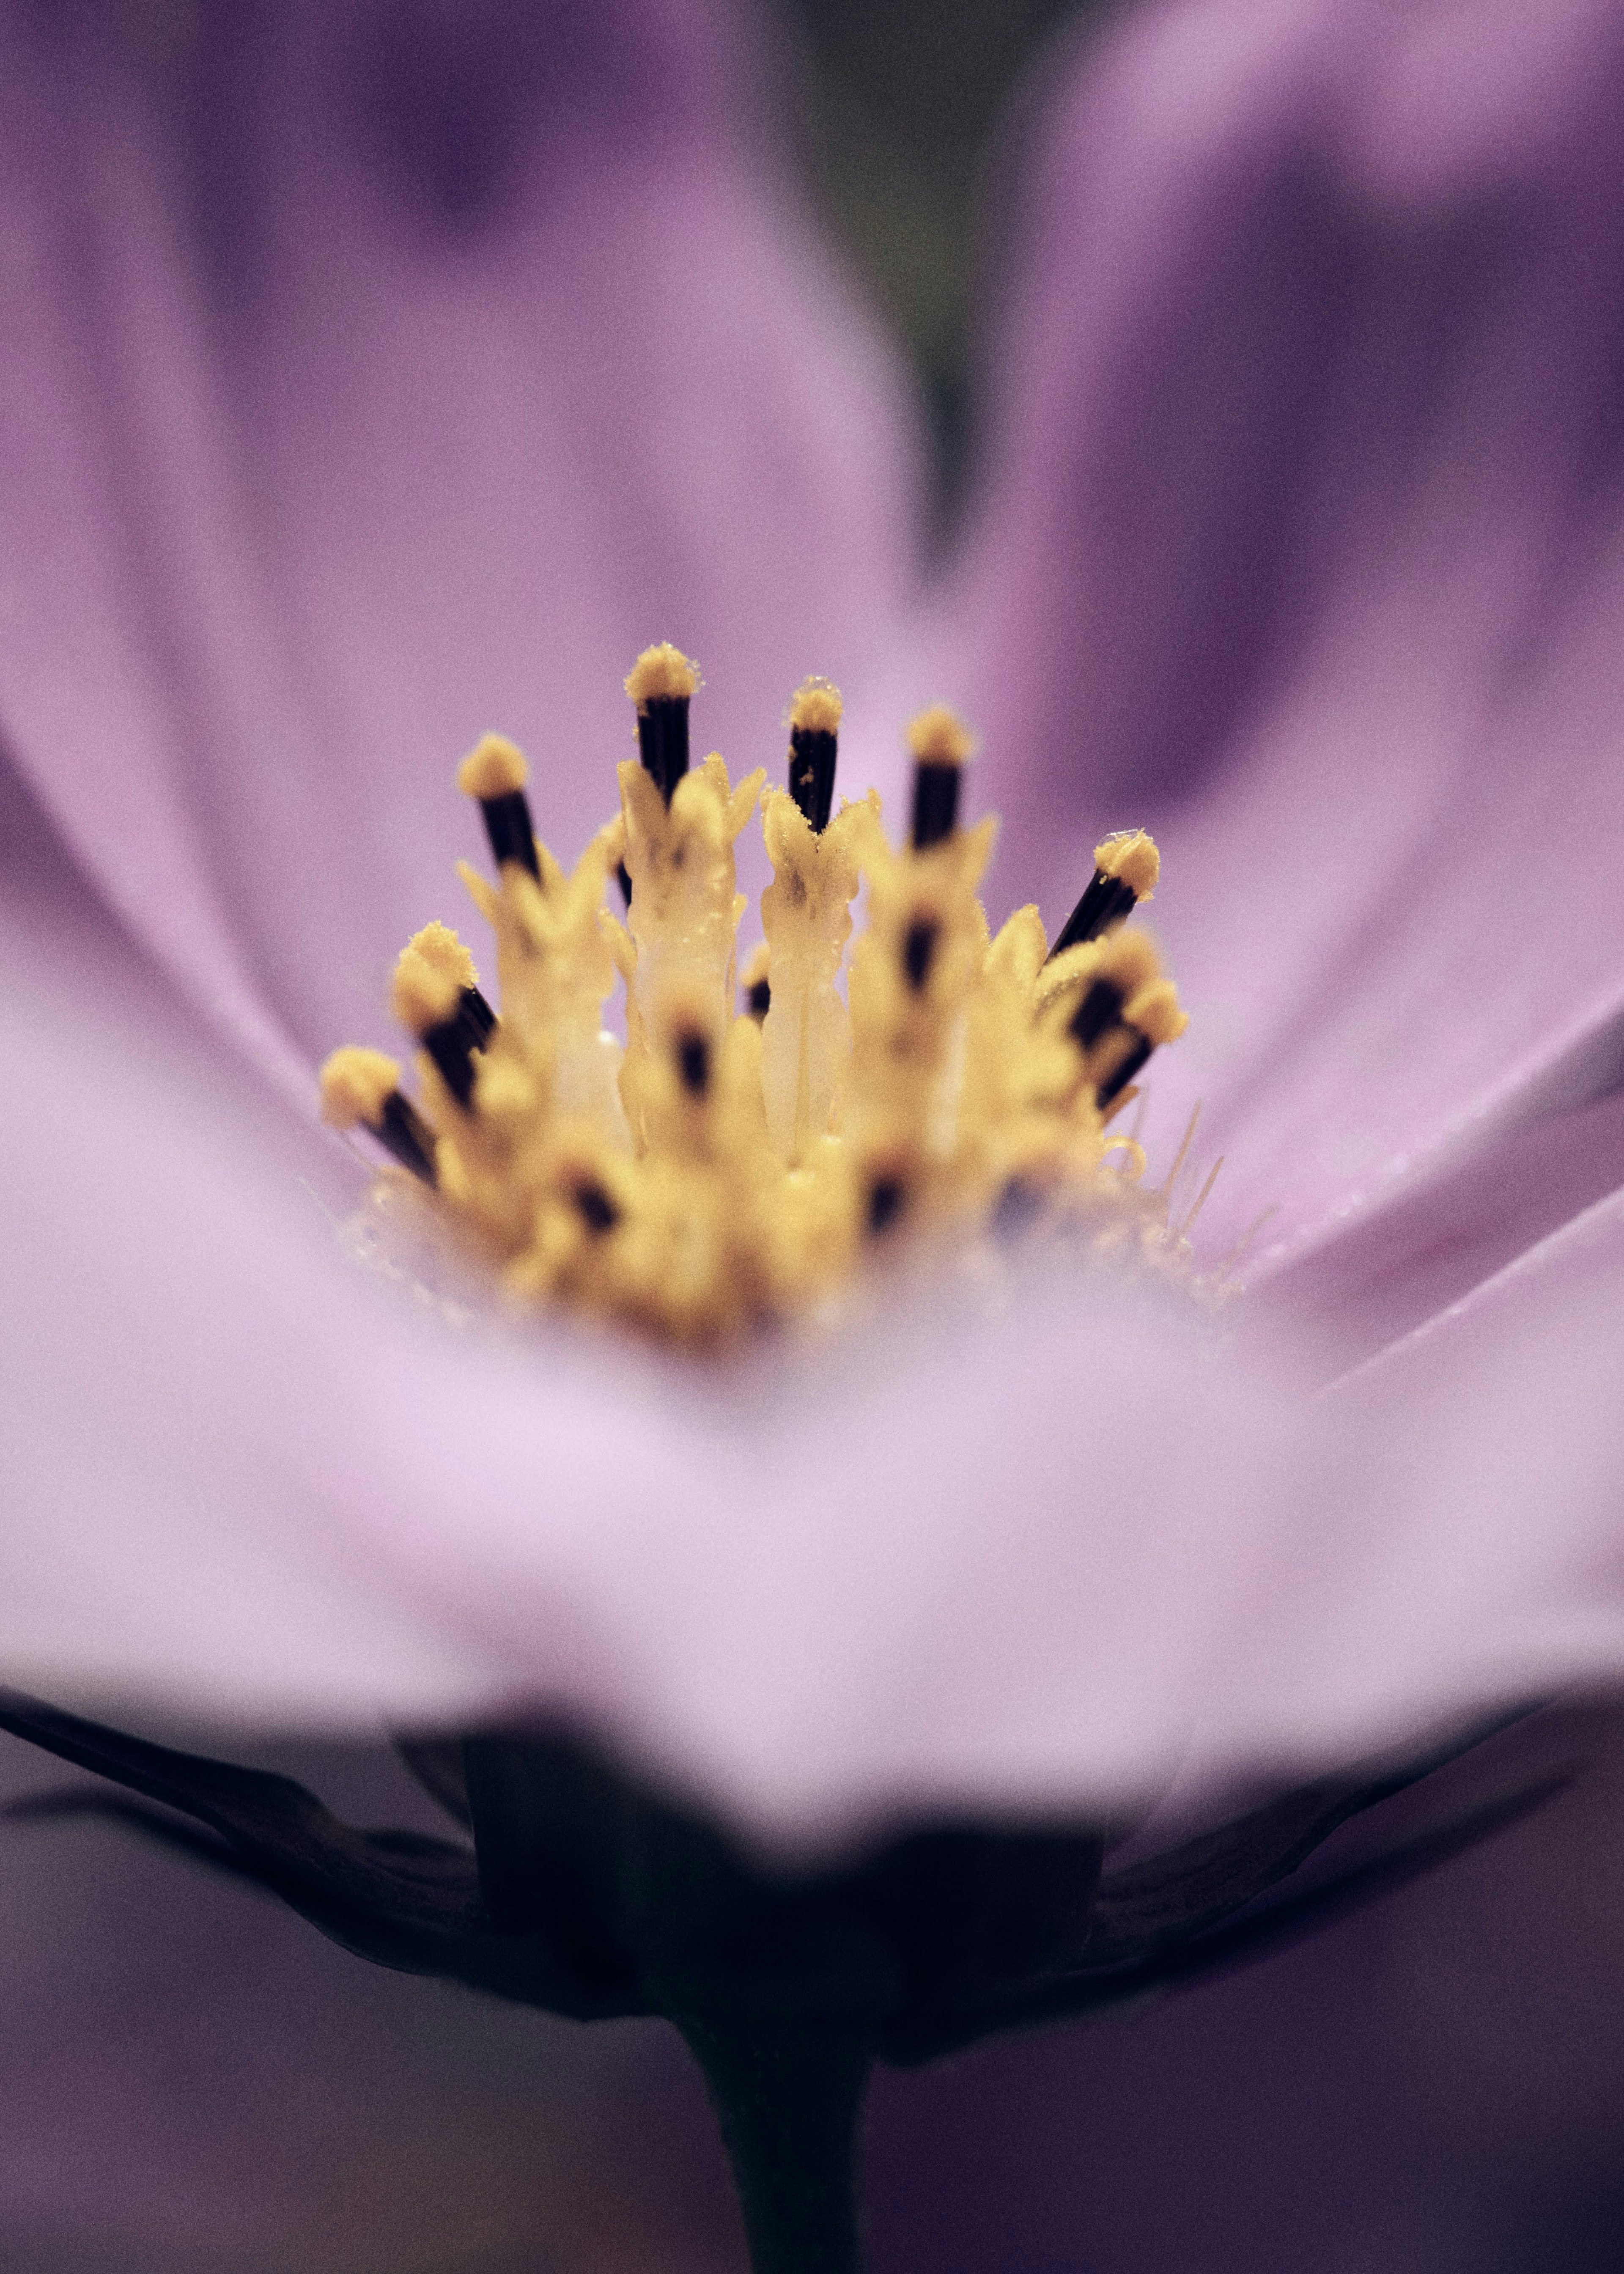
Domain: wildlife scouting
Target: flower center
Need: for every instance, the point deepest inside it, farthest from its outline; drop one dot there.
(725, 1167)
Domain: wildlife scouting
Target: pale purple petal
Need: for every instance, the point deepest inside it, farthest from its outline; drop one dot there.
(376, 374)
(1302, 543)
(1012, 1563)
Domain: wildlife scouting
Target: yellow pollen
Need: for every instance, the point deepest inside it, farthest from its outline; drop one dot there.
(815, 706)
(439, 946)
(494, 767)
(770, 1139)
(661, 671)
(356, 1086)
(939, 737)
(425, 994)
(1131, 857)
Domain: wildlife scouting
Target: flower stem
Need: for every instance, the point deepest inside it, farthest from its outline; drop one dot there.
(789, 2096)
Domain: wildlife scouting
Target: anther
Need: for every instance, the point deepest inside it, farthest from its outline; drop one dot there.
(1100, 1010)
(918, 947)
(1125, 869)
(813, 729)
(887, 1198)
(694, 1063)
(494, 773)
(757, 983)
(598, 1212)
(661, 683)
(440, 947)
(362, 1089)
(428, 1003)
(941, 745)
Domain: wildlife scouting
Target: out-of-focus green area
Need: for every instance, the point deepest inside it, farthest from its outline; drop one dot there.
(900, 105)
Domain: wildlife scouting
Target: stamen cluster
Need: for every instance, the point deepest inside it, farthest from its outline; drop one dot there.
(728, 1166)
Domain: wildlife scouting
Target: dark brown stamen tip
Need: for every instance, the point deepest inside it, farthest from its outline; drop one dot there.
(598, 1212)
(1106, 902)
(662, 740)
(887, 1199)
(453, 1051)
(812, 755)
(476, 1016)
(758, 999)
(1100, 1008)
(508, 825)
(919, 949)
(936, 801)
(694, 1064)
(403, 1133)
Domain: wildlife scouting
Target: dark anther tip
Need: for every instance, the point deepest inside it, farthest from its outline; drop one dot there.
(758, 998)
(508, 825)
(919, 949)
(451, 1046)
(403, 1133)
(887, 1198)
(1100, 1008)
(936, 802)
(1106, 902)
(662, 740)
(694, 1064)
(812, 757)
(598, 1210)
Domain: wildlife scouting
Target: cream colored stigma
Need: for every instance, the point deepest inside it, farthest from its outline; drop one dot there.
(764, 1144)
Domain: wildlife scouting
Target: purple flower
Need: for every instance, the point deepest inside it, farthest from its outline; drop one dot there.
(377, 374)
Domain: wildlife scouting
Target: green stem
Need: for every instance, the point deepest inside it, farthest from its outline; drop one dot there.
(789, 2099)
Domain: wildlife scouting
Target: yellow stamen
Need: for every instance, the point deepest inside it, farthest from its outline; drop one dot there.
(662, 671)
(356, 1086)
(719, 1171)
(494, 767)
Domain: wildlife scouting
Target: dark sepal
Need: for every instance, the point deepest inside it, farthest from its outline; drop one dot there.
(1250, 1938)
(437, 1764)
(395, 1898)
(1146, 1919)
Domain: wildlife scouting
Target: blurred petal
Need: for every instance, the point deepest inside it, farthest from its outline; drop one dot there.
(1301, 543)
(1014, 1563)
(376, 374)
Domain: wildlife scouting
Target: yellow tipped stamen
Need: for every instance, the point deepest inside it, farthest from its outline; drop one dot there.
(1129, 857)
(662, 672)
(816, 707)
(424, 994)
(494, 767)
(355, 1084)
(660, 683)
(941, 745)
(815, 714)
(939, 737)
(360, 1089)
(494, 773)
(1126, 867)
(718, 1170)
